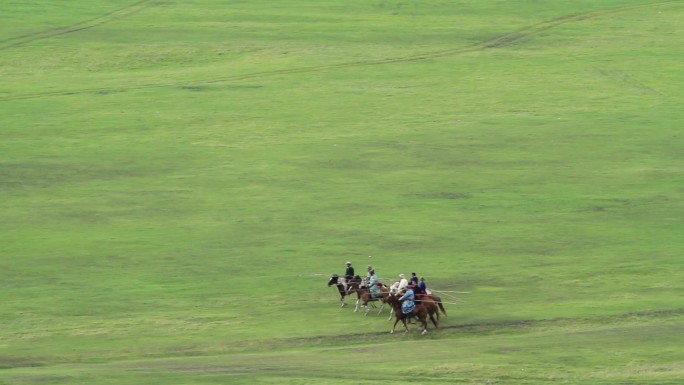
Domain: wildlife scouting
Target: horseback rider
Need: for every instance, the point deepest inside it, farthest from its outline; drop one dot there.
(368, 275)
(419, 290)
(403, 283)
(407, 304)
(349, 273)
(414, 279)
(373, 284)
(423, 286)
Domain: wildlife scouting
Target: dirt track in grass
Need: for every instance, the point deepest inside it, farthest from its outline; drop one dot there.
(500, 41)
(108, 17)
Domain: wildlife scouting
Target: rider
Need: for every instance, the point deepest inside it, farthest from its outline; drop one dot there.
(349, 273)
(373, 283)
(407, 305)
(368, 274)
(419, 290)
(423, 286)
(402, 282)
(414, 279)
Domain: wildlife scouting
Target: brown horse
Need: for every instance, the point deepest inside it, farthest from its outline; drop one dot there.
(433, 304)
(421, 312)
(432, 308)
(435, 299)
(365, 297)
(438, 300)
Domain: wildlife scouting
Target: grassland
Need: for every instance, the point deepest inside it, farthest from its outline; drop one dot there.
(179, 178)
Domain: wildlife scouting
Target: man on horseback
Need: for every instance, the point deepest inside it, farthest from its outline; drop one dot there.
(403, 283)
(423, 286)
(414, 279)
(368, 275)
(407, 304)
(373, 284)
(394, 289)
(349, 273)
(419, 291)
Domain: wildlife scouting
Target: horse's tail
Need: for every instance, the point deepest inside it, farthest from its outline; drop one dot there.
(441, 307)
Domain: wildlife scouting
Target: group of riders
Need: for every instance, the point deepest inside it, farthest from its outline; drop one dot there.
(410, 290)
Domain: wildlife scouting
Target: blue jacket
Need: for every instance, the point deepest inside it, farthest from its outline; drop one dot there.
(408, 304)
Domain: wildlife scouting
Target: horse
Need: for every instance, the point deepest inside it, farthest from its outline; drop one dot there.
(339, 282)
(344, 287)
(355, 282)
(365, 296)
(432, 308)
(438, 300)
(435, 304)
(420, 311)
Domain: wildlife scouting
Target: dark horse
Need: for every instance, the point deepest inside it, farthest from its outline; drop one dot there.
(421, 312)
(344, 288)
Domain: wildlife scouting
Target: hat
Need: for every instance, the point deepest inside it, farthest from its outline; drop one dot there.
(422, 278)
(348, 263)
(402, 275)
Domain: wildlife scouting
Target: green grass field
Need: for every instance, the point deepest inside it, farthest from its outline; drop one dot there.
(178, 180)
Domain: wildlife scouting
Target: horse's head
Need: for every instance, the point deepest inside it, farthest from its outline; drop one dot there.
(391, 298)
(334, 280)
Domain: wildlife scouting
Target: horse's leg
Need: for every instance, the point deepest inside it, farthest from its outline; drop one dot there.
(391, 314)
(348, 290)
(436, 323)
(403, 319)
(382, 307)
(438, 301)
(365, 305)
(433, 309)
(395, 325)
(340, 289)
(431, 312)
(423, 321)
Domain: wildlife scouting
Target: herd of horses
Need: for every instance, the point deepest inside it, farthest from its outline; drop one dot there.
(426, 307)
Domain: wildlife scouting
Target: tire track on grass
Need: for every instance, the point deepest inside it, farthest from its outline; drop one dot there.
(483, 328)
(108, 17)
(497, 42)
